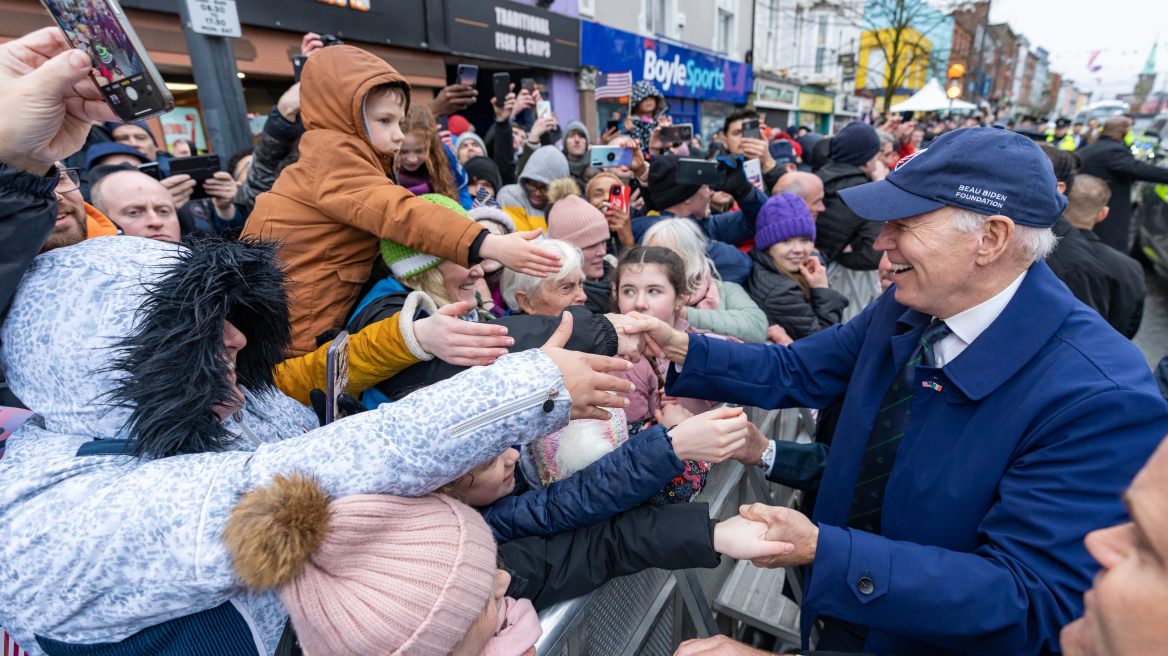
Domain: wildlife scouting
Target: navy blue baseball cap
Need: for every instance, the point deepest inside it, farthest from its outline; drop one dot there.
(782, 151)
(984, 170)
(100, 150)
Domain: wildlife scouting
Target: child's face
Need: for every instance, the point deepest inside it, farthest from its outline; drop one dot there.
(413, 153)
(646, 289)
(490, 481)
(647, 107)
(383, 113)
(476, 184)
(791, 253)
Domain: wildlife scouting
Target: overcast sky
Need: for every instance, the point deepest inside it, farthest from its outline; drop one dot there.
(1072, 29)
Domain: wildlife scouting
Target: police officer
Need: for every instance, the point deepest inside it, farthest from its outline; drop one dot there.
(989, 419)
(1059, 137)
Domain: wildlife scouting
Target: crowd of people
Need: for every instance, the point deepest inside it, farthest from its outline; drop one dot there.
(538, 374)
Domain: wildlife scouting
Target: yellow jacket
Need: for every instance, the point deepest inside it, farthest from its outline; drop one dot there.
(376, 353)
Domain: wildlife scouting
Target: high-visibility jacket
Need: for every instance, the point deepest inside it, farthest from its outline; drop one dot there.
(1066, 143)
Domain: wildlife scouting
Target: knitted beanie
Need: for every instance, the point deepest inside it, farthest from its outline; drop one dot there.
(481, 168)
(783, 216)
(404, 261)
(495, 214)
(577, 222)
(364, 574)
(856, 144)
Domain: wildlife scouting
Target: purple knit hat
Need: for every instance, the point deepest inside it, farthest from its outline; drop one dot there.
(782, 217)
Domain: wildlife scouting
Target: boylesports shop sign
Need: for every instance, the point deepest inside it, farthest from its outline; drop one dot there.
(677, 71)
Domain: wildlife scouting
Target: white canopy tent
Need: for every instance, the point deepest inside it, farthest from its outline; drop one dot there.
(930, 98)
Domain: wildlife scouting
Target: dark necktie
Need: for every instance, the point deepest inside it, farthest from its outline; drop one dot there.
(887, 433)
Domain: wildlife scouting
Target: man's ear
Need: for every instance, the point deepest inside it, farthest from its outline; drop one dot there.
(1062, 187)
(997, 233)
(1103, 214)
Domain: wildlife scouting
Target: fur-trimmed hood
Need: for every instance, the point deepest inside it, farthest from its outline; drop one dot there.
(121, 337)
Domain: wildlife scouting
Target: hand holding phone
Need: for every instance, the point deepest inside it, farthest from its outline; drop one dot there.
(124, 74)
(468, 75)
(679, 133)
(199, 167)
(604, 156)
(618, 198)
(502, 86)
(700, 172)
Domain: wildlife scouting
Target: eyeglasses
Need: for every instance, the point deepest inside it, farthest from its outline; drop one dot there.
(69, 180)
(534, 187)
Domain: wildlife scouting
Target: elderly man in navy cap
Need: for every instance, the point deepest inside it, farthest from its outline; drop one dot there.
(990, 420)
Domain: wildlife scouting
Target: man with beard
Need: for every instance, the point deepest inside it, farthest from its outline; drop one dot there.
(76, 219)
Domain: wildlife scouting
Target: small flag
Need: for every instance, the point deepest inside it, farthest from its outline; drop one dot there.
(931, 385)
(614, 85)
(10, 647)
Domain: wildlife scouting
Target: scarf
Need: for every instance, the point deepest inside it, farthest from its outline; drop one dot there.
(706, 296)
(417, 182)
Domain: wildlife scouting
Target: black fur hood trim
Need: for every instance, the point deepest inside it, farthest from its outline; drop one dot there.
(174, 366)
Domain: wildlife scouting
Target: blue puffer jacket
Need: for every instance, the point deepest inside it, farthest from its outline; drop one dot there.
(619, 481)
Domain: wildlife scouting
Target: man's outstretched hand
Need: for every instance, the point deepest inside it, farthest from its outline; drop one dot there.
(583, 374)
(49, 98)
(518, 252)
(788, 527)
(718, 645)
(661, 339)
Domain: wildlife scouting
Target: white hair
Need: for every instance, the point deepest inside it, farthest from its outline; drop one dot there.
(1033, 243)
(684, 237)
(514, 282)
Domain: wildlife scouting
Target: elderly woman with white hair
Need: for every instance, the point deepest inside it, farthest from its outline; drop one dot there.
(547, 296)
(716, 305)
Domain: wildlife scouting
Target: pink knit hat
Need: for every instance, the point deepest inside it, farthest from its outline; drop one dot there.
(577, 222)
(365, 574)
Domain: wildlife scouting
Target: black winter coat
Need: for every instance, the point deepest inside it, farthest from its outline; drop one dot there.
(591, 333)
(782, 299)
(838, 226)
(548, 570)
(599, 292)
(1074, 263)
(1127, 286)
(28, 211)
(1113, 162)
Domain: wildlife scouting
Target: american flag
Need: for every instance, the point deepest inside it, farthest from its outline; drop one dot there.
(614, 85)
(10, 648)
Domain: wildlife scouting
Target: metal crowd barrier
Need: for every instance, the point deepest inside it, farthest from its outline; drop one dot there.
(650, 613)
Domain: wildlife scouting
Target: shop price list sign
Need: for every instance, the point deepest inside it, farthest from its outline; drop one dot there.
(214, 17)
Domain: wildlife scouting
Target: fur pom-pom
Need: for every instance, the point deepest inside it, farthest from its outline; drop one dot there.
(274, 530)
(562, 188)
(582, 444)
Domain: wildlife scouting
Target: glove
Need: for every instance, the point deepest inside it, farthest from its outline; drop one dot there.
(736, 183)
(347, 405)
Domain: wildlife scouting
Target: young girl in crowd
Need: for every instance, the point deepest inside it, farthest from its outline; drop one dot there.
(423, 165)
(648, 105)
(788, 281)
(713, 304)
(619, 226)
(499, 223)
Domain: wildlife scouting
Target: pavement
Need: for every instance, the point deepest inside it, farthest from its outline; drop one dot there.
(1152, 337)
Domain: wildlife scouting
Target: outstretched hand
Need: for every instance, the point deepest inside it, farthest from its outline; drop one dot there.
(629, 346)
(518, 252)
(661, 339)
(790, 528)
(584, 375)
(461, 343)
(718, 645)
(52, 101)
(712, 436)
(745, 539)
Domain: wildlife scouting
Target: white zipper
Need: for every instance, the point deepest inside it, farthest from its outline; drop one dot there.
(238, 417)
(476, 422)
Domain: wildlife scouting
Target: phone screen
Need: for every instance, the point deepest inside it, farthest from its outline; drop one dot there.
(678, 133)
(468, 74)
(126, 79)
(543, 108)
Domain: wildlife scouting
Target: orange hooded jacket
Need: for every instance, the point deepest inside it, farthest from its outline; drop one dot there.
(331, 207)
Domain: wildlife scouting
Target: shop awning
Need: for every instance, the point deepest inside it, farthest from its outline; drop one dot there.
(930, 98)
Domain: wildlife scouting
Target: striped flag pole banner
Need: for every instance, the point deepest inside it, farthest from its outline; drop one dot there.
(10, 648)
(614, 85)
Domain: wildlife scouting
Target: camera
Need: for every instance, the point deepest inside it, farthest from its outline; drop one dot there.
(330, 40)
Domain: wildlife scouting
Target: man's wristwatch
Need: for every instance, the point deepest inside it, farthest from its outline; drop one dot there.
(768, 455)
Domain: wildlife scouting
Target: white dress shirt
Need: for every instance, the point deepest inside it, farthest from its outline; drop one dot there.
(968, 324)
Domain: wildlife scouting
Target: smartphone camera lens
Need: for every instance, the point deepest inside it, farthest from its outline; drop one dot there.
(611, 157)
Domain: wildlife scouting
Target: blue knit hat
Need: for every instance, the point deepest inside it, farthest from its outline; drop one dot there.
(856, 144)
(782, 217)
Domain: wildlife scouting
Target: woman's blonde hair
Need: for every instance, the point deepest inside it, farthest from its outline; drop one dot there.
(684, 237)
(420, 123)
(430, 281)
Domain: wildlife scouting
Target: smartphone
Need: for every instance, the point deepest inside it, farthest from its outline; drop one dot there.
(444, 123)
(151, 169)
(908, 116)
(298, 66)
(543, 108)
(122, 71)
(614, 125)
(753, 170)
(199, 167)
(618, 197)
(502, 83)
(336, 367)
(528, 84)
(700, 172)
(468, 74)
(750, 129)
(611, 156)
(677, 133)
